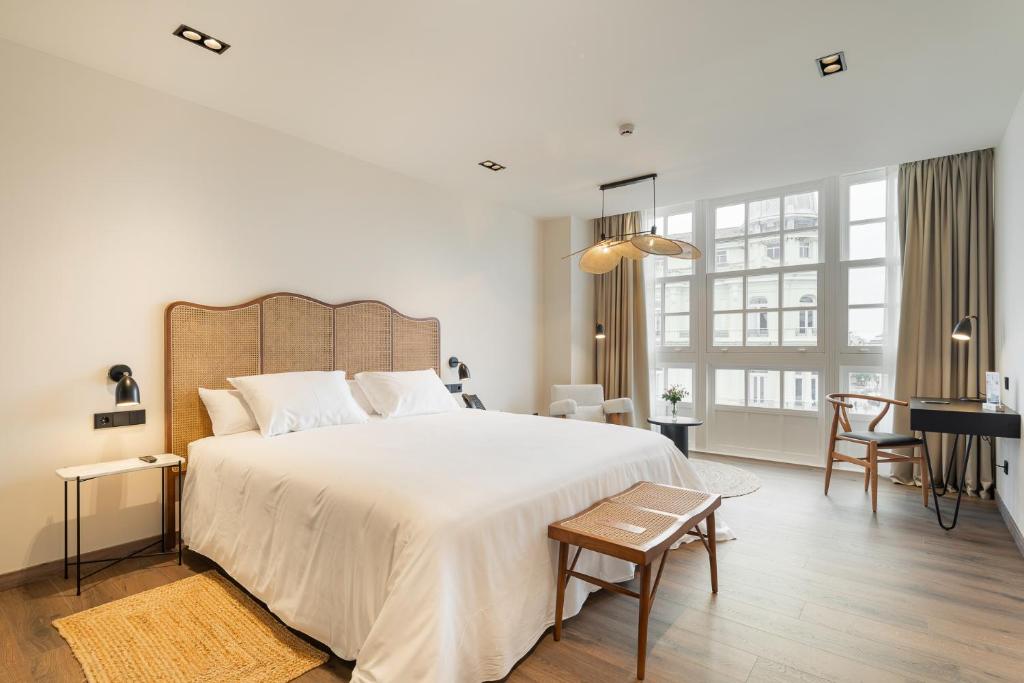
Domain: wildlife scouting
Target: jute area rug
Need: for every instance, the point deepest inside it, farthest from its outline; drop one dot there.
(727, 480)
(202, 628)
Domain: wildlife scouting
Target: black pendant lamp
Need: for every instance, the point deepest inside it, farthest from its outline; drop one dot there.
(605, 255)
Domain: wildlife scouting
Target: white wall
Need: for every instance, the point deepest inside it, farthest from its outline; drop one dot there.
(116, 200)
(568, 305)
(1009, 285)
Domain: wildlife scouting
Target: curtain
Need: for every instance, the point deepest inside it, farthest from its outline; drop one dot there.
(619, 296)
(946, 233)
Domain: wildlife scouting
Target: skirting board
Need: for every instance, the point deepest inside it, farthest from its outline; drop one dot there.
(20, 577)
(1015, 531)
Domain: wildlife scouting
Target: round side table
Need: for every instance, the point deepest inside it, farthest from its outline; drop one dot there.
(677, 429)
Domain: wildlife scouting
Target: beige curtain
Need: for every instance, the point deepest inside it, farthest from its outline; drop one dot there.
(946, 234)
(622, 356)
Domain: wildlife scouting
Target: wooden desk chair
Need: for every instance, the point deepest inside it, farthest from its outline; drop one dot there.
(873, 440)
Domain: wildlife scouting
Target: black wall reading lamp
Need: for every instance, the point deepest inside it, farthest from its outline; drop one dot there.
(126, 393)
(454, 362)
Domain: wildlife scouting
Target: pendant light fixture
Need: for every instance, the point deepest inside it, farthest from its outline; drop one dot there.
(608, 252)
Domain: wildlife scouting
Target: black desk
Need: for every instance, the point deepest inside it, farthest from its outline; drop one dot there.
(958, 417)
(677, 429)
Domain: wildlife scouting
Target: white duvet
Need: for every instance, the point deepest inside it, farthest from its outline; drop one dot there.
(416, 546)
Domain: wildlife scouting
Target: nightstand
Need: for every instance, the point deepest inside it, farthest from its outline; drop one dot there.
(83, 473)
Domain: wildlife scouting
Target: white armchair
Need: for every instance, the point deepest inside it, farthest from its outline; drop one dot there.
(586, 402)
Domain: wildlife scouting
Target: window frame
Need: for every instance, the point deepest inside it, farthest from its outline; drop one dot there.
(846, 264)
(713, 274)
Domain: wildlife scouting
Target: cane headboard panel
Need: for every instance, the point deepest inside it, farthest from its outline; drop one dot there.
(281, 333)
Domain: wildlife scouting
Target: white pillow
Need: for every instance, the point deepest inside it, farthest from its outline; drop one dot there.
(228, 411)
(360, 396)
(400, 394)
(296, 401)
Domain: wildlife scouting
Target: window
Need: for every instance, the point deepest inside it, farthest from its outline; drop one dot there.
(670, 376)
(672, 285)
(769, 302)
(866, 223)
(800, 390)
(868, 382)
(767, 388)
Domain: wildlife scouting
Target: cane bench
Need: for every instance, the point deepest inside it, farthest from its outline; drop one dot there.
(638, 525)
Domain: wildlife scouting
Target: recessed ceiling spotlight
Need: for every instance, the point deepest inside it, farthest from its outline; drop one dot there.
(492, 165)
(831, 64)
(202, 39)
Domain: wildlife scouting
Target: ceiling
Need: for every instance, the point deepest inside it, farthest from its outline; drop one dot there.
(724, 95)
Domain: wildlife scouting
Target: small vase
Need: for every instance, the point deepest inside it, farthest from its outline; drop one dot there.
(674, 406)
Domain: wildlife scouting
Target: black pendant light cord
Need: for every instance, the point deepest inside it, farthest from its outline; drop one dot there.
(654, 209)
(602, 215)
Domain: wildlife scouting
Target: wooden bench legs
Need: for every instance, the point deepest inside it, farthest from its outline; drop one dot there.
(646, 593)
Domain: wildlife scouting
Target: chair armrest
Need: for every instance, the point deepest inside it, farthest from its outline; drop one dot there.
(562, 408)
(618, 405)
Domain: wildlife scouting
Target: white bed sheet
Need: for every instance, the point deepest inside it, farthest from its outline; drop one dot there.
(416, 546)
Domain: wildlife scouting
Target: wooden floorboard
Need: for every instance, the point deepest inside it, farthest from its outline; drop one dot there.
(814, 589)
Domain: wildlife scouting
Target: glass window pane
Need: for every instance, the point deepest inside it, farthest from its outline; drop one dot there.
(763, 291)
(677, 297)
(867, 383)
(866, 326)
(729, 387)
(763, 388)
(800, 328)
(765, 252)
(729, 255)
(867, 200)
(728, 293)
(665, 377)
(801, 247)
(677, 266)
(867, 240)
(800, 289)
(677, 330)
(800, 390)
(728, 329)
(764, 216)
(729, 220)
(678, 226)
(866, 285)
(763, 328)
(801, 211)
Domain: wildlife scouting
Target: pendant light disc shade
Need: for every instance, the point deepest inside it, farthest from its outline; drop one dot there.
(656, 244)
(689, 251)
(626, 249)
(600, 258)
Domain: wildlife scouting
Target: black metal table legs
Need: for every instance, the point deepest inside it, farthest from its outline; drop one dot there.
(111, 561)
(949, 477)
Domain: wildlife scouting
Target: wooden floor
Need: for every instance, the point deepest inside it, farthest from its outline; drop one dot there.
(814, 589)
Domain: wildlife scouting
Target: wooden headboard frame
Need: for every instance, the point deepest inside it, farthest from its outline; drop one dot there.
(282, 332)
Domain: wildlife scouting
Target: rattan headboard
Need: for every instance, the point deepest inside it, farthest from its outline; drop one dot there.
(281, 332)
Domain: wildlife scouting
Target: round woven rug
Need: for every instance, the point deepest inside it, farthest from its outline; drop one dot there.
(728, 481)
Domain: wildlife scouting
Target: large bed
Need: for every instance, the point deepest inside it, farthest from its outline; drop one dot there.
(416, 546)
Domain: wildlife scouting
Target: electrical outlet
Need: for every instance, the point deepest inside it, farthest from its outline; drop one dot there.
(121, 418)
(454, 388)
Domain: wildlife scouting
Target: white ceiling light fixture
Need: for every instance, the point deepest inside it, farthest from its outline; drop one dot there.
(604, 256)
(831, 64)
(201, 39)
